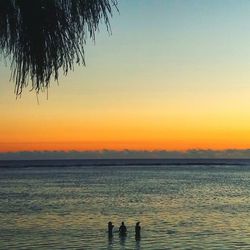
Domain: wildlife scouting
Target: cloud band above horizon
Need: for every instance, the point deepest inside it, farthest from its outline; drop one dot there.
(127, 154)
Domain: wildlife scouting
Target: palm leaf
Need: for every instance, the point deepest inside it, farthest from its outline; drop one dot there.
(43, 36)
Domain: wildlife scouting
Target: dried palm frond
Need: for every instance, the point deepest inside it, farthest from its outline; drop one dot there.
(43, 36)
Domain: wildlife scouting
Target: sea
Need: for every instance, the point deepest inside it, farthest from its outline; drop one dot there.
(180, 204)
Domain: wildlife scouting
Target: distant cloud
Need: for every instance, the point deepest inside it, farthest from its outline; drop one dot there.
(127, 154)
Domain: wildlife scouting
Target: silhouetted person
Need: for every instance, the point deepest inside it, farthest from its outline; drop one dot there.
(122, 230)
(137, 231)
(110, 229)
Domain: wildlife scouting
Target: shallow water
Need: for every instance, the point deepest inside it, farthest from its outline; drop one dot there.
(179, 207)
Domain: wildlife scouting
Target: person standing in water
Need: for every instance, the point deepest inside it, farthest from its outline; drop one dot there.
(122, 229)
(137, 231)
(110, 229)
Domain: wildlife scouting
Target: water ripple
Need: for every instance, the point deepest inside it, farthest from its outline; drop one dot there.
(196, 208)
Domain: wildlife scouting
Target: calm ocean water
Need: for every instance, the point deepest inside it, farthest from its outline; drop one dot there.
(180, 206)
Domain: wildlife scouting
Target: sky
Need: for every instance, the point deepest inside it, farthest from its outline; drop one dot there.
(174, 75)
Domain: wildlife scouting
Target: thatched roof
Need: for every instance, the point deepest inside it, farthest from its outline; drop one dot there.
(42, 36)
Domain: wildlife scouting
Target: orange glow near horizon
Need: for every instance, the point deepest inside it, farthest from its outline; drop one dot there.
(149, 127)
(177, 145)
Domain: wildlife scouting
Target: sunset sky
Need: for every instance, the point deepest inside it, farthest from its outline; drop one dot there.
(174, 75)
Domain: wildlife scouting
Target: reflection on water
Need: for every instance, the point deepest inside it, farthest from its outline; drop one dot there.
(137, 243)
(123, 240)
(110, 242)
(179, 208)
